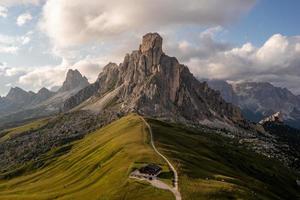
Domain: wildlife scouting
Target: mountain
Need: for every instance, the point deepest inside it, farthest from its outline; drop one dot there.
(260, 100)
(73, 83)
(20, 105)
(15, 100)
(153, 84)
(19, 96)
(74, 80)
(42, 95)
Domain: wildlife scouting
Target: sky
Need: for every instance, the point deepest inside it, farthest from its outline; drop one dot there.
(242, 40)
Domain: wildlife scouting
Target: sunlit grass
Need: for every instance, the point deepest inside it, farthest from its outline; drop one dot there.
(96, 167)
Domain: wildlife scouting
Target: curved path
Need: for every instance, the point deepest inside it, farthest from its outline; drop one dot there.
(175, 189)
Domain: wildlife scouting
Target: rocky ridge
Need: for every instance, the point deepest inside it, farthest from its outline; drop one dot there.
(20, 105)
(153, 84)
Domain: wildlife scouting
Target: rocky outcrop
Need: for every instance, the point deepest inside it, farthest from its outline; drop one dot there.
(74, 80)
(154, 84)
(277, 118)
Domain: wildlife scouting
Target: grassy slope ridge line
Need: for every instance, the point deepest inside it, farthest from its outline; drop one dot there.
(214, 167)
(97, 167)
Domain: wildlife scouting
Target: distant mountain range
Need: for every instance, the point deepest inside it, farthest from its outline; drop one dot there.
(20, 105)
(260, 100)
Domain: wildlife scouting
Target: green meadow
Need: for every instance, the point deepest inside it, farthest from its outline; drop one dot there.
(97, 167)
(210, 166)
(214, 167)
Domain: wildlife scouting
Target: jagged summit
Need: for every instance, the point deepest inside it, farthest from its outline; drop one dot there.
(42, 95)
(74, 80)
(43, 91)
(154, 84)
(17, 94)
(15, 90)
(151, 41)
(151, 47)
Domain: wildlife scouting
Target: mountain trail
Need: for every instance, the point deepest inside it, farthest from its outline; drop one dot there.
(175, 189)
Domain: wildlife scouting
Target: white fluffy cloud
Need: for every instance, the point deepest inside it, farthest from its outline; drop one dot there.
(24, 19)
(47, 76)
(276, 61)
(51, 76)
(73, 22)
(3, 11)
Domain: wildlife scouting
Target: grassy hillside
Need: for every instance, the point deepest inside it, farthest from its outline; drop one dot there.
(213, 167)
(9, 133)
(96, 167)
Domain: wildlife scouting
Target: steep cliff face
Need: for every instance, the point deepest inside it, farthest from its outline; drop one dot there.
(154, 84)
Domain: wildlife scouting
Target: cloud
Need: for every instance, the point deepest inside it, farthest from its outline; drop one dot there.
(47, 76)
(276, 61)
(24, 19)
(198, 46)
(89, 68)
(75, 22)
(19, 2)
(3, 11)
(9, 49)
(12, 44)
(51, 76)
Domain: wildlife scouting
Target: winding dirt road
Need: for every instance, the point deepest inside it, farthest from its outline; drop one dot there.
(175, 189)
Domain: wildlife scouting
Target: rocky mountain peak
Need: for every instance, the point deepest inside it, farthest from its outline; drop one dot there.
(154, 84)
(74, 80)
(151, 48)
(150, 42)
(17, 94)
(44, 93)
(15, 90)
